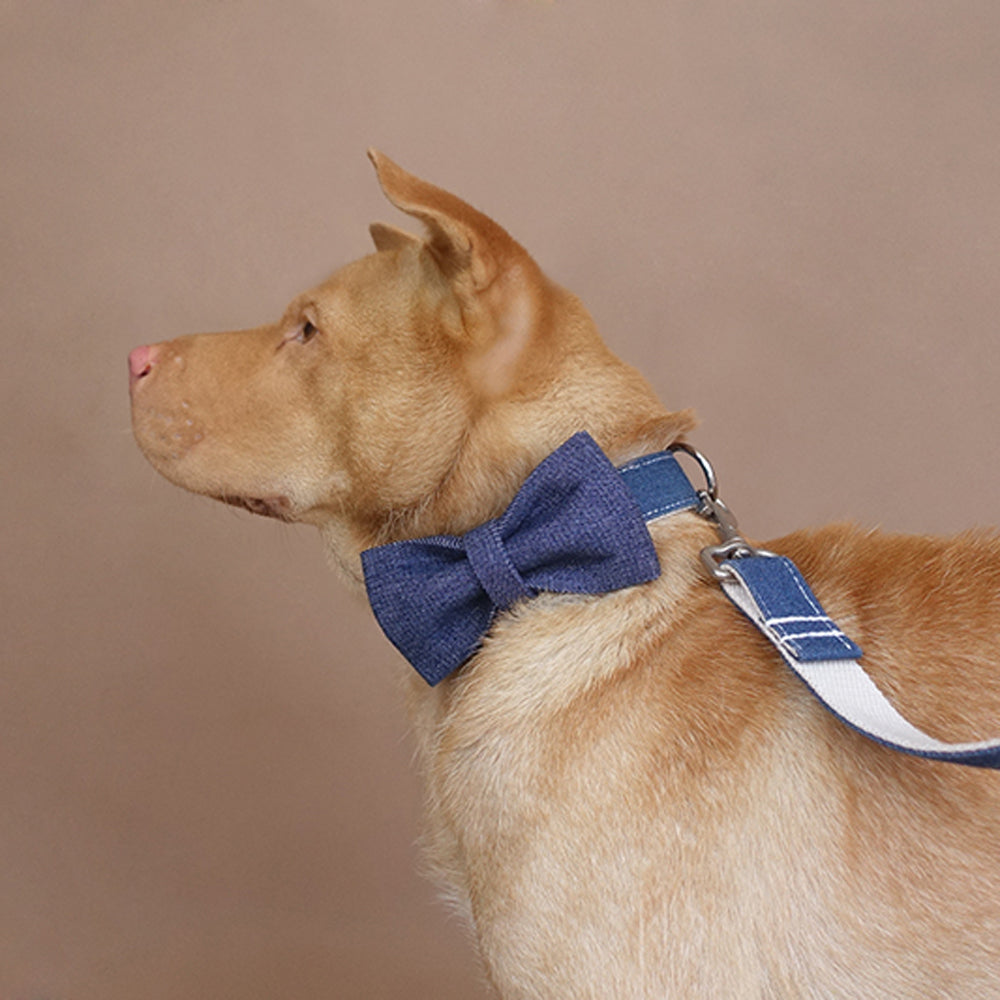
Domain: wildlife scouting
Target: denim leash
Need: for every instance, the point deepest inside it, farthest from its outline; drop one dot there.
(771, 592)
(578, 525)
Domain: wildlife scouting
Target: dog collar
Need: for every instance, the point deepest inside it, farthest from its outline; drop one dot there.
(578, 525)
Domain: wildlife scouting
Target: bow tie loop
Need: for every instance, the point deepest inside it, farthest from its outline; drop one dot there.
(492, 565)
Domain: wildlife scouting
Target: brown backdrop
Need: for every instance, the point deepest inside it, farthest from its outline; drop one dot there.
(786, 213)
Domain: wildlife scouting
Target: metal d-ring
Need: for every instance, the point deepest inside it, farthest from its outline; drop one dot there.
(711, 490)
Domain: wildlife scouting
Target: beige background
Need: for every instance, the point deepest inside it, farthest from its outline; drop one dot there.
(786, 213)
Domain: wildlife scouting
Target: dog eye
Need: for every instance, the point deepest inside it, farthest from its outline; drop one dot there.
(305, 332)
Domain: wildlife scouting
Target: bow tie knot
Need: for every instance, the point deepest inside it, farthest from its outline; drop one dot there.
(492, 565)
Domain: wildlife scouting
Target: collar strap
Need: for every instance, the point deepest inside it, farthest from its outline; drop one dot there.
(659, 485)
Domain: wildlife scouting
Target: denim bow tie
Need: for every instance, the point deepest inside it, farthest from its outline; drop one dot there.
(577, 525)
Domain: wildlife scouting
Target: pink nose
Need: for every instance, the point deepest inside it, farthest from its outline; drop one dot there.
(140, 362)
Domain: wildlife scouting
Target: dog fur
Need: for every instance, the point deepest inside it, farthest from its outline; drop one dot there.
(630, 795)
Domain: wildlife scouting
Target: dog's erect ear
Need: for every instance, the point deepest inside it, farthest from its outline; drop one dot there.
(471, 248)
(498, 287)
(386, 237)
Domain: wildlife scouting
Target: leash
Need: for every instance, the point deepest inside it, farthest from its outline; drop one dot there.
(578, 525)
(771, 592)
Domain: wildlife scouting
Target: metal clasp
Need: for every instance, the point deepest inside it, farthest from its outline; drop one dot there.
(732, 545)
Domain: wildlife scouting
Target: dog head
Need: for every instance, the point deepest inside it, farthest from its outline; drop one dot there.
(409, 394)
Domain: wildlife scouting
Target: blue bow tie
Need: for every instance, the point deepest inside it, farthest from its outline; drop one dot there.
(577, 525)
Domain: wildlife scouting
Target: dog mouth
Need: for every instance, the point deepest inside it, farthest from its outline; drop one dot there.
(280, 508)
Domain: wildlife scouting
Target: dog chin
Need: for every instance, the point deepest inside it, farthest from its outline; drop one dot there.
(278, 507)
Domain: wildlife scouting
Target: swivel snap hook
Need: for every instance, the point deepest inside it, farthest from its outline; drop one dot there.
(732, 545)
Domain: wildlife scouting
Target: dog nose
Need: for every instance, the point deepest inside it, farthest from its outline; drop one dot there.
(140, 362)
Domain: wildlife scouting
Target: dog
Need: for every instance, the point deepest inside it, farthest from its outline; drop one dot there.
(628, 793)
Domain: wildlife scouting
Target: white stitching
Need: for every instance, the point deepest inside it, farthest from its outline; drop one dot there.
(828, 634)
(797, 618)
(790, 570)
(673, 505)
(812, 602)
(641, 463)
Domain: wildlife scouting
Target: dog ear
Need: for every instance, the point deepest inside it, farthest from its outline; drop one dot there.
(498, 287)
(471, 249)
(386, 237)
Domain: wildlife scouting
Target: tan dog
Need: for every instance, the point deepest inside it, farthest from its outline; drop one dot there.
(630, 793)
